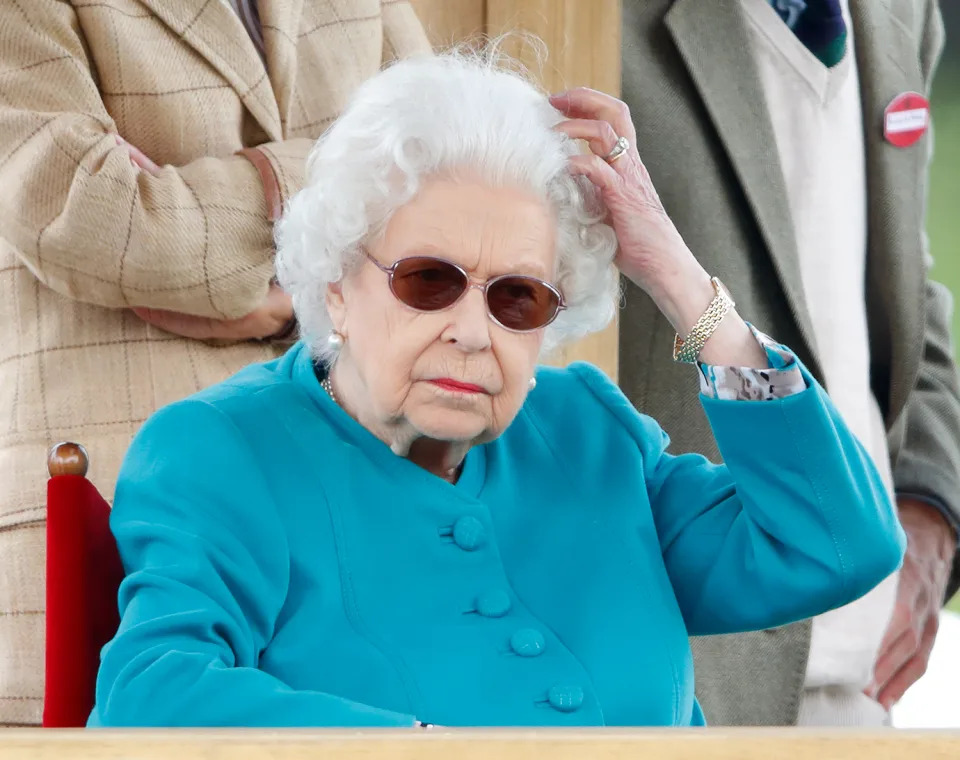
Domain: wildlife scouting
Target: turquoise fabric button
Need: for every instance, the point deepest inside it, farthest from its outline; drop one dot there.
(528, 642)
(469, 533)
(565, 698)
(493, 604)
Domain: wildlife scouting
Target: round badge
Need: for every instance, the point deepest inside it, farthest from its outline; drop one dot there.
(906, 119)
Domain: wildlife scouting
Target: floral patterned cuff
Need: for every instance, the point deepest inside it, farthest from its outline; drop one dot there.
(781, 379)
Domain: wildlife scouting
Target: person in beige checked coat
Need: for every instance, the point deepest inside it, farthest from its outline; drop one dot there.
(146, 146)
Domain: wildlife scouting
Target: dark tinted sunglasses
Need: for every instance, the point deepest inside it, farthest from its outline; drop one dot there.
(516, 302)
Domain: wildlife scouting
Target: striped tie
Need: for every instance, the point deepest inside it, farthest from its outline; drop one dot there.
(818, 24)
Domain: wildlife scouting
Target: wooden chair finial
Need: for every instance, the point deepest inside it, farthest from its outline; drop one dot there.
(67, 458)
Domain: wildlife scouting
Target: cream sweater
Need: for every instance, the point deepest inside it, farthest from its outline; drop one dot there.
(818, 126)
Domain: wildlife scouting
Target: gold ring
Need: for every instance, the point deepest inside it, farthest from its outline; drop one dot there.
(621, 147)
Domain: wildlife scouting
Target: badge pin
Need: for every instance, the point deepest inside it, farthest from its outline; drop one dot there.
(906, 119)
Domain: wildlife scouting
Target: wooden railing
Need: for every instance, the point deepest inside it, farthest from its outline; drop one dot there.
(583, 49)
(598, 744)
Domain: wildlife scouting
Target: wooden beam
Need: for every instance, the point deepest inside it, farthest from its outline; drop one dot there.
(583, 49)
(469, 744)
(583, 39)
(451, 21)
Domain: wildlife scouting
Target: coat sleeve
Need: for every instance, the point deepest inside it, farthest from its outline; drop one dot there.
(89, 224)
(795, 522)
(207, 565)
(927, 463)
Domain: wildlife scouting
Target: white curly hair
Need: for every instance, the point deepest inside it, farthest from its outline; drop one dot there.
(438, 116)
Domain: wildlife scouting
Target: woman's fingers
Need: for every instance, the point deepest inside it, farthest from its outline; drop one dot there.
(584, 103)
(187, 325)
(910, 673)
(138, 158)
(263, 322)
(894, 657)
(633, 175)
(599, 135)
(904, 663)
(598, 171)
(649, 243)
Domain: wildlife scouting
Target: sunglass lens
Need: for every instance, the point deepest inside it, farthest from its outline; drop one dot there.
(522, 303)
(428, 284)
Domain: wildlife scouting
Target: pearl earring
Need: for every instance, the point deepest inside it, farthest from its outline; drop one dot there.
(334, 341)
(533, 383)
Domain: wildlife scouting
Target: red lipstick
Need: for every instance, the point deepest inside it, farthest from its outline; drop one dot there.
(449, 384)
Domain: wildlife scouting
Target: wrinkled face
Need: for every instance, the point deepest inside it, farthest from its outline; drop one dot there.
(455, 374)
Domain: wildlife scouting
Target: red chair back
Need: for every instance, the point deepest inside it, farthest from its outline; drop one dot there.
(83, 576)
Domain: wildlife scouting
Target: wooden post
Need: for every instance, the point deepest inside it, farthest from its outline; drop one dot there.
(450, 21)
(583, 49)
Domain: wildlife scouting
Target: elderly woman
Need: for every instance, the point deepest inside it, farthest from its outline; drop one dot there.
(404, 521)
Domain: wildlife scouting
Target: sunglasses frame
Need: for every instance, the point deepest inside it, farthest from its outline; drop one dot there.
(391, 270)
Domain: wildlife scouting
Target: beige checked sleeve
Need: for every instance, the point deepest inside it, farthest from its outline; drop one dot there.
(282, 176)
(88, 223)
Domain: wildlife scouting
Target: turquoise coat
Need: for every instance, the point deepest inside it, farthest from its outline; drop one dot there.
(286, 569)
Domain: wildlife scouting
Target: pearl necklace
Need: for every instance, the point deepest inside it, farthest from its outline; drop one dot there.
(328, 387)
(450, 475)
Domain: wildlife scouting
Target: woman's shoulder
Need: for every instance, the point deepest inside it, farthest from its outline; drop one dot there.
(199, 465)
(580, 401)
(583, 386)
(581, 375)
(235, 407)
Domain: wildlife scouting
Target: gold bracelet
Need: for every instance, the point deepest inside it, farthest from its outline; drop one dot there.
(687, 350)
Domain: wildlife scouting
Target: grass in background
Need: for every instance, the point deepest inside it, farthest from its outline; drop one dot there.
(943, 220)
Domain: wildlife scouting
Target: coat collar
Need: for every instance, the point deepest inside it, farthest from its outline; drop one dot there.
(214, 31)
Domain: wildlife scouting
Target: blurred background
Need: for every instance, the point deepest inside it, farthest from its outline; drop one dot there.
(933, 701)
(944, 209)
